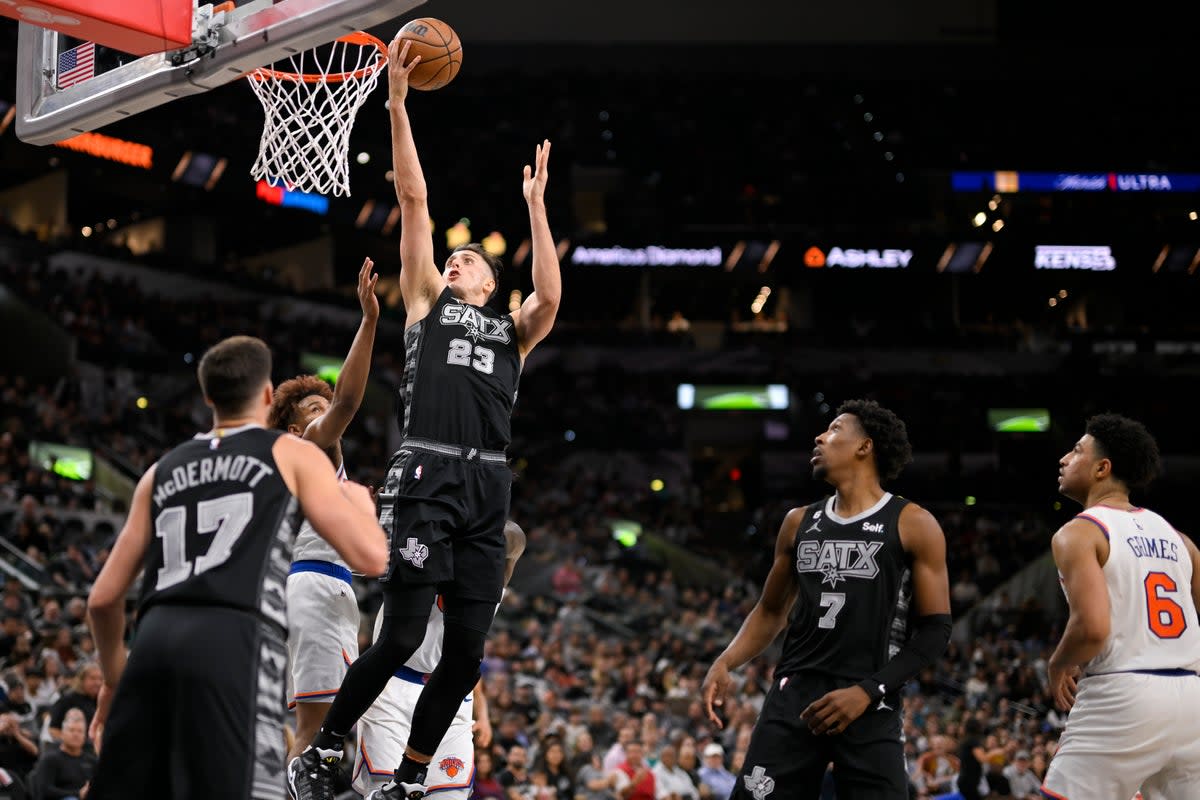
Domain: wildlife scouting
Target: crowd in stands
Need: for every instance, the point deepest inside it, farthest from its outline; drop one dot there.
(594, 668)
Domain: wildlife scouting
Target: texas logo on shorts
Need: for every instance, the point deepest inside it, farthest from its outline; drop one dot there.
(451, 765)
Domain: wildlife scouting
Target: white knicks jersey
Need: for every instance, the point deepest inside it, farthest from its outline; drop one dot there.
(310, 546)
(1149, 577)
(427, 656)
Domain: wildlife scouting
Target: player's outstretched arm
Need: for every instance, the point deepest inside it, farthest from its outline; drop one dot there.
(106, 601)
(326, 429)
(1077, 554)
(536, 316)
(419, 276)
(765, 621)
(342, 513)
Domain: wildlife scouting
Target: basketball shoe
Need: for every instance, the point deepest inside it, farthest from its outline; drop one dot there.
(310, 775)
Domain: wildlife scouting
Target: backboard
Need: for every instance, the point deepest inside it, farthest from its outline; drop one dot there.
(226, 44)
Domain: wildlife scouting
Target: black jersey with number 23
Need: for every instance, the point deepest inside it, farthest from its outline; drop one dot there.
(461, 372)
(224, 522)
(854, 589)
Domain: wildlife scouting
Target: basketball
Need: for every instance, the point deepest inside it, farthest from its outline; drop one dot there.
(439, 48)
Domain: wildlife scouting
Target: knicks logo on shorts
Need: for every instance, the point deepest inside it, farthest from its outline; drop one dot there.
(451, 765)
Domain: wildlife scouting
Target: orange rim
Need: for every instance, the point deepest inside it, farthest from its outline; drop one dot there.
(358, 37)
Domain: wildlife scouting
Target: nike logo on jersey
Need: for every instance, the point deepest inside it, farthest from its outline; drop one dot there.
(415, 553)
(479, 326)
(838, 560)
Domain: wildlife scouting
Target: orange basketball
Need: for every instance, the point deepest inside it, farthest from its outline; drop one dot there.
(439, 48)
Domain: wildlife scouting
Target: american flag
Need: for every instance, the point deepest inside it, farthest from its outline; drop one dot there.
(76, 65)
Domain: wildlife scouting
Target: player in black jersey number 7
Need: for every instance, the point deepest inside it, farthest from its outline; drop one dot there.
(197, 709)
(445, 498)
(855, 561)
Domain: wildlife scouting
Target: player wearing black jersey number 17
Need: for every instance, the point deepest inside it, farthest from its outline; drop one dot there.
(446, 494)
(197, 708)
(852, 565)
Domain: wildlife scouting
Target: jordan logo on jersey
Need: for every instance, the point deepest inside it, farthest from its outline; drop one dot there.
(838, 560)
(816, 523)
(415, 553)
(478, 325)
(758, 784)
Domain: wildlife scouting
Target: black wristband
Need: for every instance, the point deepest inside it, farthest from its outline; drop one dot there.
(873, 688)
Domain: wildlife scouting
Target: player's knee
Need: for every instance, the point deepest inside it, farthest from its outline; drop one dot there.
(399, 637)
(462, 653)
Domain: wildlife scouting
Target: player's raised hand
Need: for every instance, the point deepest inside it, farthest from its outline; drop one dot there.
(398, 71)
(716, 686)
(366, 290)
(534, 185)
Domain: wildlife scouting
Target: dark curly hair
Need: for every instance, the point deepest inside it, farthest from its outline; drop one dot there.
(1129, 446)
(494, 262)
(886, 431)
(289, 394)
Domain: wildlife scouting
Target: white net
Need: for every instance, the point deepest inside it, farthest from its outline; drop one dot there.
(309, 112)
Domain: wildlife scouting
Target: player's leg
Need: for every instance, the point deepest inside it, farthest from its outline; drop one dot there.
(133, 749)
(1181, 776)
(470, 598)
(227, 709)
(868, 758)
(467, 622)
(1114, 739)
(383, 732)
(784, 760)
(452, 770)
(323, 621)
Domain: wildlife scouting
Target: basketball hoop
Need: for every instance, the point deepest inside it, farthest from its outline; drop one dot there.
(309, 112)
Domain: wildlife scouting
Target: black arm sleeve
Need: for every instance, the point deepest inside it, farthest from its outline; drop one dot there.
(928, 640)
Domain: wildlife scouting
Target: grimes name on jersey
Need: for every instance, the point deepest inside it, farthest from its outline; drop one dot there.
(837, 559)
(479, 326)
(246, 469)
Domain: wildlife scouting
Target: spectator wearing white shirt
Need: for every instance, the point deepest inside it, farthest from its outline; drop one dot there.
(713, 775)
(671, 782)
(1023, 784)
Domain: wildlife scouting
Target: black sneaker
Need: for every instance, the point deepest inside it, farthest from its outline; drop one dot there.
(310, 775)
(398, 791)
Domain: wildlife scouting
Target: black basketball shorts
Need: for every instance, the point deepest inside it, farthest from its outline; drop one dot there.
(199, 711)
(445, 516)
(786, 761)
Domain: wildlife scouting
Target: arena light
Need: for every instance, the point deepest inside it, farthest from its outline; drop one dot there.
(201, 170)
(279, 196)
(111, 148)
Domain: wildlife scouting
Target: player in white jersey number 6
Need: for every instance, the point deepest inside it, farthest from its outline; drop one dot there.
(383, 730)
(1127, 663)
(323, 615)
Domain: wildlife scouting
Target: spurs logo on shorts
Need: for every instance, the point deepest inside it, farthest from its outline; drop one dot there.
(758, 783)
(415, 553)
(451, 766)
